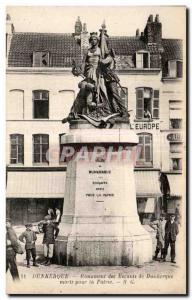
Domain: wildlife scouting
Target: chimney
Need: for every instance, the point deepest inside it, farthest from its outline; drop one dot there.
(150, 19)
(157, 18)
(137, 32)
(9, 33)
(153, 30)
(78, 27)
(84, 39)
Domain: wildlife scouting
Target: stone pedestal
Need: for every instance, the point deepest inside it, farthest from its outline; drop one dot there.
(100, 223)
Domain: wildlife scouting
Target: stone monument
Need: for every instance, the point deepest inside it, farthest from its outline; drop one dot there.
(100, 224)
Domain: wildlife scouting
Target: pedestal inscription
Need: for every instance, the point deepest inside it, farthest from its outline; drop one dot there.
(100, 224)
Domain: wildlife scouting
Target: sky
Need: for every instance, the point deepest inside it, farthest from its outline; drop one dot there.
(119, 20)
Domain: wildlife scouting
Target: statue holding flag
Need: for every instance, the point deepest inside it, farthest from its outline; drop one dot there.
(98, 100)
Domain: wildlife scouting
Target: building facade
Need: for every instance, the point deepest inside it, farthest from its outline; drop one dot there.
(41, 90)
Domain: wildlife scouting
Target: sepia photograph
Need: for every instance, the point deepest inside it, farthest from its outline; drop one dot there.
(96, 150)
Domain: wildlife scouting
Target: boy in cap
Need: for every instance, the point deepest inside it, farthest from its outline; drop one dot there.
(50, 231)
(30, 238)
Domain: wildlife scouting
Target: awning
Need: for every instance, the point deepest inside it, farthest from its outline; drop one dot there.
(147, 183)
(177, 184)
(175, 114)
(146, 205)
(36, 184)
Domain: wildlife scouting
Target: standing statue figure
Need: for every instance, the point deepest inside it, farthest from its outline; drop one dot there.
(98, 100)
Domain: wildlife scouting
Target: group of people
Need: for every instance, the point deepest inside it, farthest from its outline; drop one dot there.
(50, 229)
(167, 232)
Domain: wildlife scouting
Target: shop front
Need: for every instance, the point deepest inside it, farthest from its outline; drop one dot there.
(149, 197)
(31, 193)
(177, 189)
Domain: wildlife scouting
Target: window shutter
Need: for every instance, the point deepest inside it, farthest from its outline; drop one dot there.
(139, 104)
(148, 148)
(147, 153)
(45, 59)
(179, 69)
(156, 104)
(139, 60)
(172, 69)
(141, 147)
(37, 56)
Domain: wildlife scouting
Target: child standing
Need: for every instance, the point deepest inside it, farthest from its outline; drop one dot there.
(30, 239)
(50, 231)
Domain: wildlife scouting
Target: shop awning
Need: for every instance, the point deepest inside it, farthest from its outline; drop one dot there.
(147, 183)
(146, 205)
(36, 184)
(177, 184)
(175, 114)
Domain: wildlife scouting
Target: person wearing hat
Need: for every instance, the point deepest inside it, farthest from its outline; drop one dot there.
(159, 226)
(29, 238)
(171, 232)
(50, 231)
(12, 248)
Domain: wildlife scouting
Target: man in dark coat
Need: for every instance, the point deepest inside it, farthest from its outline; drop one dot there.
(171, 231)
(50, 231)
(29, 237)
(12, 248)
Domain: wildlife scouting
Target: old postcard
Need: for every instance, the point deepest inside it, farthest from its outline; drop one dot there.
(96, 150)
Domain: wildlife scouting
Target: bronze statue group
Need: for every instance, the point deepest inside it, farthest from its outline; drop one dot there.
(98, 100)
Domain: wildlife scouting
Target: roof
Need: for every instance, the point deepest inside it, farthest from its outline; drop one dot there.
(173, 49)
(124, 45)
(63, 48)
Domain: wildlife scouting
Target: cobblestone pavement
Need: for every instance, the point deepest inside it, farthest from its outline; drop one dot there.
(56, 279)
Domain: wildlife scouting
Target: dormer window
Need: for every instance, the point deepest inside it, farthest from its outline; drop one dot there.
(175, 68)
(41, 59)
(142, 60)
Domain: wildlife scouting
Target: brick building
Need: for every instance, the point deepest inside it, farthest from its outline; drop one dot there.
(41, 90)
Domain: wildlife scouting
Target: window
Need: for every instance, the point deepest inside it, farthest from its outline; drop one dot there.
(175, 68)
(175, 156)
(40, 148)
(17, 149)
(147, 103)
(65, 100)
(144, 153)
(175, 147)
(175, 114)
(15, 104)
(142, 60)
(123, 93)
(41, 59)
(40, 104)
(176, 164)
(175, 123)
